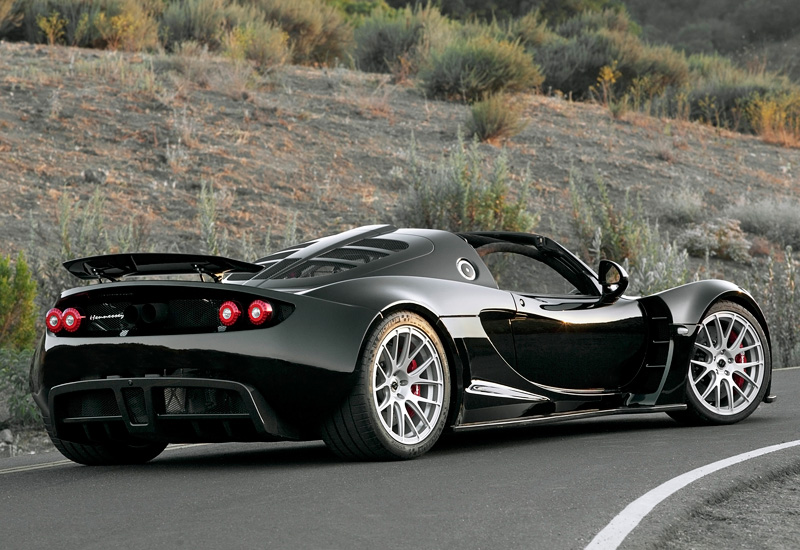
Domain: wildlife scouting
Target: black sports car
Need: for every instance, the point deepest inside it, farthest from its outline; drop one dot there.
(376, 340)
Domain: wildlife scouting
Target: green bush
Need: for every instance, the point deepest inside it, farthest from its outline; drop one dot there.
(318, 34)
(400, 40)
(458, 194)
(117, 24)
(257, 41)
(17, 310)
(494, 119)
(472, 68)
(18, 316)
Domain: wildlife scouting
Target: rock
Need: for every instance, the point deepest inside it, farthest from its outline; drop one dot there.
(6, 436)
(95, 176)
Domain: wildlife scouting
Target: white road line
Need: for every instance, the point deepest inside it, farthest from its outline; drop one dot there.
(626, 521)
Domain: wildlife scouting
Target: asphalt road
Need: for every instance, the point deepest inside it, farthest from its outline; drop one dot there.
(544, 487)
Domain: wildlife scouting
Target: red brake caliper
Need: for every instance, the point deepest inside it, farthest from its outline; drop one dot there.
(415, 389)
(739, 359)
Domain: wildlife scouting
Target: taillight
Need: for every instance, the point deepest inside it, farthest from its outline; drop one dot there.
(228, 313)
(54, 320)
(71, 319)
(259, 312)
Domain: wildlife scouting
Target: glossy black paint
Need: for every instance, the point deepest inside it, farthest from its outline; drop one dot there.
(516, 357)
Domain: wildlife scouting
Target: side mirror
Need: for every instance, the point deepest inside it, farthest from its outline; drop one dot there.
(614, 280)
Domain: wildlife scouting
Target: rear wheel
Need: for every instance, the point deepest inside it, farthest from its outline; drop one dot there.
(398, 407)
(104, 454)
(730, 368)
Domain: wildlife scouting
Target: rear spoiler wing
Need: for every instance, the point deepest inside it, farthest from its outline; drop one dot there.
(114, 266)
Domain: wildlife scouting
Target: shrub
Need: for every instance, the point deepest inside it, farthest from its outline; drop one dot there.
(18, 316)
(613, 235)
(257, 41)
(118, 24)
(660, 266)
(653, 263)
(389, 40)
(494, 119)
(722, 238)
(590, 21)
(129, 27)
(574, 65)
(776, 287)
(777, 220)
(726, 96)
(79, 231)
(14, 386)
(200, 21)
(776, 119)
(318, 34)
(52, 27)
(457, 194)
(473, 68)
(17, 311)
(681, 204)
(530, 30)
(10, 16)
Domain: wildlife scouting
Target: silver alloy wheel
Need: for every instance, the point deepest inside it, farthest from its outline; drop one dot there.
(727, 369)
(408, 387)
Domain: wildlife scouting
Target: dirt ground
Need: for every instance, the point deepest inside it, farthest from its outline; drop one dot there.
(327, 147)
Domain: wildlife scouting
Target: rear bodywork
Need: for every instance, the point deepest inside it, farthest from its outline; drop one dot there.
(151, 360)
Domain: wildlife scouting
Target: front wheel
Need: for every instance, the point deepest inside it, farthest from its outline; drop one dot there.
(730, 368)
(398, 406)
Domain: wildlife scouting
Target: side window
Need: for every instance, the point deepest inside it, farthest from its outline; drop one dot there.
(525, 275)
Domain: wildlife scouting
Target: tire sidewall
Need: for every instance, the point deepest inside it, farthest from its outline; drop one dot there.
(368, 361)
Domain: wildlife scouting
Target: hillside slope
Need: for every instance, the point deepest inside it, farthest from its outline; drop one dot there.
(329, 146)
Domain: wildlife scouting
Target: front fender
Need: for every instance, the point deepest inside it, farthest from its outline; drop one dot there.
(689, 303)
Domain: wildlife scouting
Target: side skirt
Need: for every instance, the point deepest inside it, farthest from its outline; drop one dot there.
(561, 417)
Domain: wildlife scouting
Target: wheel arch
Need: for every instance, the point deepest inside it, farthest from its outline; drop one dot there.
(689, 303)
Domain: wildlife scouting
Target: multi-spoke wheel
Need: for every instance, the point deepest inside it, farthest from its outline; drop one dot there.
(730, 367)
(398, 406)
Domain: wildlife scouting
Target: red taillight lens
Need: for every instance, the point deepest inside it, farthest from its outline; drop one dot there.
(54, 320)
(71, 319)
(228, 313)
(259, 312)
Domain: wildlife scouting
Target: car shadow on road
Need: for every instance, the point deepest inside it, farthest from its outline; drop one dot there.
(315, 453)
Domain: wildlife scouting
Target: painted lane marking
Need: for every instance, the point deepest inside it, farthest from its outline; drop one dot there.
(626, 521)
(32, 467)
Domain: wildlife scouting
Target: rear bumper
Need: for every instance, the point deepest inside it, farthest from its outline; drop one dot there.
(163, 408)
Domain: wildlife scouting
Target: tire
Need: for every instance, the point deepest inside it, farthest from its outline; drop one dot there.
(106, 454)
(398, 406)
(726, 377)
